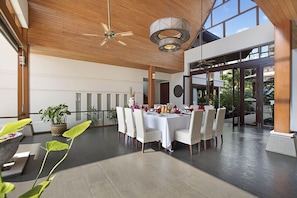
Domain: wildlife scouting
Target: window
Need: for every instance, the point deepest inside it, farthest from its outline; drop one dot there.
(241, 23)
(99, 102)
(117, 100)
(89, 100)
(108, 102)
(78, 106)
(229, 17)
(125, 99)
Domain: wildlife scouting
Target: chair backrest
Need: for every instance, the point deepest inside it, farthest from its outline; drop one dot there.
(208, 122)
(207, 107)
(121, 119)
(139, 123)
(195, 124)
(131, 130)
(219, 121)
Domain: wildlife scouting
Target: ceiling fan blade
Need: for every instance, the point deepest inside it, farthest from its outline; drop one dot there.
(129, 33)
(91, 34)
(105, 27)
(103, 42)
(121, 42)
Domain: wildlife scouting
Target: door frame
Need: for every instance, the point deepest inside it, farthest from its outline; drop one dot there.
(259, 64)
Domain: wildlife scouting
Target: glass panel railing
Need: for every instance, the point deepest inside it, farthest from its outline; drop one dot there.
(99, 119)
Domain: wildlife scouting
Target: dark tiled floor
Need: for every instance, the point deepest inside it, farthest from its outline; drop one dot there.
(241, 160)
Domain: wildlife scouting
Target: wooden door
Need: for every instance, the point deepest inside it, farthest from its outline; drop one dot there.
(164, 93)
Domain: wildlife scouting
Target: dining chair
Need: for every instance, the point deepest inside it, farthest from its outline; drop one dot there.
(191, 135)
(218, 124)
(122, 128)
(207, 107)
(131, 128)
(145, 135)
(207, 125)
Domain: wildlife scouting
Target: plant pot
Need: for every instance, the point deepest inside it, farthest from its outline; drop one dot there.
(58, 129)
(9, 147)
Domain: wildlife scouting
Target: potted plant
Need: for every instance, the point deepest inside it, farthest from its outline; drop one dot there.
(57, 116)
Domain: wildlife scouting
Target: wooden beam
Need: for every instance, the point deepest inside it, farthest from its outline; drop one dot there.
(23, 84)
(151, 87)
(12, 23)
(282, 77)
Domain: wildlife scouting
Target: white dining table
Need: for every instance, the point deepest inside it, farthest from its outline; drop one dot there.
(167, 124)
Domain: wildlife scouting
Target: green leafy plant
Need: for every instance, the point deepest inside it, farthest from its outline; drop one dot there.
(53, 145)
(55, 114)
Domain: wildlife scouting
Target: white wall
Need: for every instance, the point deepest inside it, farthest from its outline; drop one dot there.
(57, 80)
(176, 79)
(8, 81)
(256, 36)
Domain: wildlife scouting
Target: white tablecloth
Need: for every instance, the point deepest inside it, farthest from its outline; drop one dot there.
(167, 123)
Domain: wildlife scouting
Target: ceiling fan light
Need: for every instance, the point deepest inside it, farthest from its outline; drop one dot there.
(169, 44)
(179, 26)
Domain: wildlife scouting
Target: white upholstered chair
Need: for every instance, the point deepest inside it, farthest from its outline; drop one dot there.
(131, 128)
(145, 135)
(207, 125)
(191, 135)
(218, 124)
(207, 107)
(122, 128)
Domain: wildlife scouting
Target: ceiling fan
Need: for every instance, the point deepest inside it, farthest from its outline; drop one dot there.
(109, 34)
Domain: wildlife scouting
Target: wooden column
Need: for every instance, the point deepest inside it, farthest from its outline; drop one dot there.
(151, 87)
(23, 82)
(282, 76)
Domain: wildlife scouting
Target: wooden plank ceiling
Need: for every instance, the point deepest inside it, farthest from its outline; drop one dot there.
(57, 28)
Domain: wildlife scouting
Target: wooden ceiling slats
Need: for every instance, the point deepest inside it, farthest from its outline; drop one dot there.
(57, 28)
(279, 10)
(61, 25)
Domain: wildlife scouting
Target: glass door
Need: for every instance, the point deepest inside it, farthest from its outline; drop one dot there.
(257, 99)
(249, 92)
(268, 96)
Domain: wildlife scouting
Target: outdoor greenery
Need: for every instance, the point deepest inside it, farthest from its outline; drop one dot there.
(230, 87)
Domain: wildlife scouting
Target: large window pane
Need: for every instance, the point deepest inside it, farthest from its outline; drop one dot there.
(207, 23)
(246, 4)
(241, 23)
(217, 30)
(225, 11)
(217, 3)
(262, 17)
